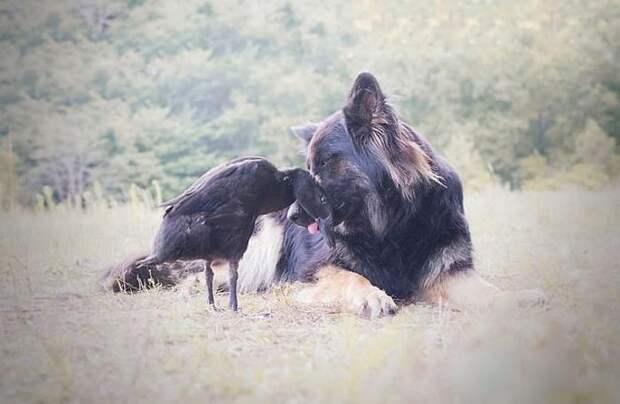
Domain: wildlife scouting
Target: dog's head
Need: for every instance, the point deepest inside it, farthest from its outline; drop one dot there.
(362, 154)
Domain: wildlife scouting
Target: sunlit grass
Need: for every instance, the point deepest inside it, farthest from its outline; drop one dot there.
(65, 340)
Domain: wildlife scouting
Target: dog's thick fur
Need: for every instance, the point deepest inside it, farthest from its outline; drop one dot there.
(397, 224)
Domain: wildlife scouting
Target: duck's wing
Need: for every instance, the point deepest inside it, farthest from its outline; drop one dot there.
(213, 193)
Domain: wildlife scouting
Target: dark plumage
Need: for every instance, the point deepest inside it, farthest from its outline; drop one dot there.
(214, 218)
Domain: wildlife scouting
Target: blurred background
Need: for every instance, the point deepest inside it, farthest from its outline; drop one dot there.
(99, 98)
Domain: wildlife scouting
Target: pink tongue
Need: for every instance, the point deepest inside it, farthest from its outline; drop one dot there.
(313, 227)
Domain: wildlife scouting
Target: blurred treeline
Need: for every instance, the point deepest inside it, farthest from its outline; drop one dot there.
(104, 94)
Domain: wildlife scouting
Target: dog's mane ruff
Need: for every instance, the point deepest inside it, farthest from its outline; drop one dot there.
(405, 160)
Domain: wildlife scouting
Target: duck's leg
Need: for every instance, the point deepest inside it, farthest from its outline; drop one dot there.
(209, 281)
(232, 280)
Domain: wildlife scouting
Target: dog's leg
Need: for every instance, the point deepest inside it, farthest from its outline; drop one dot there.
(468, 290)
(347, 291)
(232, 280)
(209, 281)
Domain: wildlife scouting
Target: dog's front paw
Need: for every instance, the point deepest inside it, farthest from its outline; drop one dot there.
(349, 292)
(371, 303)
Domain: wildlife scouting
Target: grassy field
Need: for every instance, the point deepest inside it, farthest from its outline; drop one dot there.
(64, 340)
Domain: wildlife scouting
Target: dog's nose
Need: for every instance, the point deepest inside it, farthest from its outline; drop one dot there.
(293, 216)
(297, 214)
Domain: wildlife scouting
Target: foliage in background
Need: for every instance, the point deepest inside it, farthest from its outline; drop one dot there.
(128, 92)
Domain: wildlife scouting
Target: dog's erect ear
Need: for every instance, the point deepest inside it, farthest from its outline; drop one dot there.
(305, 131)
(364, 101)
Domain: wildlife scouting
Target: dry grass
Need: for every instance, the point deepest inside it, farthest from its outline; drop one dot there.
(63, 340)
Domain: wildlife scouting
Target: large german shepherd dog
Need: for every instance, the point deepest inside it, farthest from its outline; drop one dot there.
(397, 230)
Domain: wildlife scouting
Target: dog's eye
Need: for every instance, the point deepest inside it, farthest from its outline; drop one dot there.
(323, 200)
(327, 159)
(286, 179)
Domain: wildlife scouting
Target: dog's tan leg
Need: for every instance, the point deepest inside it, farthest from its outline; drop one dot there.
(347, 291)
(468, 290)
